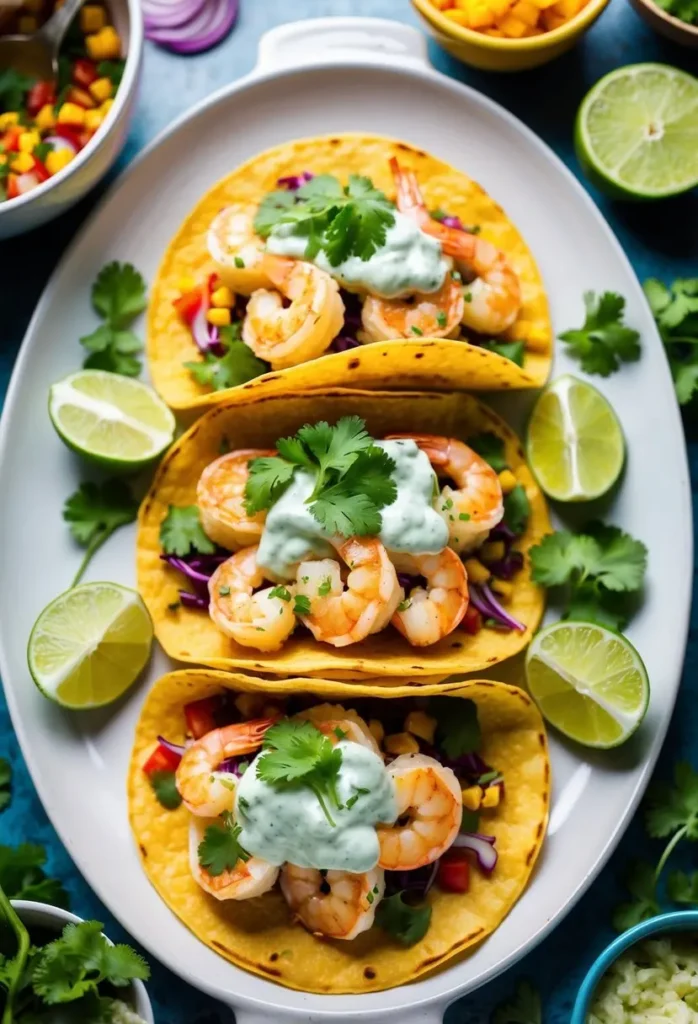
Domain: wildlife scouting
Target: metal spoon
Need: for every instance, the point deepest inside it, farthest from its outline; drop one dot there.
(37, 55)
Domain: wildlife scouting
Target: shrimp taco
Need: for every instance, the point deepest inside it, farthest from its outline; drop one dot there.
(337, 838)
(361, 534)
(346, 258)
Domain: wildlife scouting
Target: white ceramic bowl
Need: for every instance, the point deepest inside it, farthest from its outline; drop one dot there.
(91, 164)
(54, 919)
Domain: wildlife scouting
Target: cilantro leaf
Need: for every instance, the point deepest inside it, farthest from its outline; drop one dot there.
(94, 512)
(220, 849)
(5, 783)
(458, 726)
(165, 789)
(119, 294)
(370, 475)
(280, 592)
(120, 965)
(14, 86)
(237, 365)
(604, 340)
(491, 448)
(272, 210)
(683, 888)
(267, 480)
(113, 70)
(298, 753)
(22, 876)
(621, 560)
(517, 509)
(673, 808)
(335, 448)
(113, 361)
(642, 885)
(405, 923)
(524, 1007)
(346, 514)
(512, 350)
(181, 532)
(675, 311)
(301, 605)
(558, 555)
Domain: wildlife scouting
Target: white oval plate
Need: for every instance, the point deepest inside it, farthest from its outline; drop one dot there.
(368, 76)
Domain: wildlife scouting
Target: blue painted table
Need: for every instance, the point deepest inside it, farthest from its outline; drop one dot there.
(661, 240)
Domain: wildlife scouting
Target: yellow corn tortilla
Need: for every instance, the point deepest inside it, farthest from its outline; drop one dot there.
(259, 934)
(417, 363)
(253, 421)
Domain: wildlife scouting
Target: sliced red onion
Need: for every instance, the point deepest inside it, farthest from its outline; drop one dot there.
(482, 847)
(210, 23)
(59, 143)
(174, 748)
(193, 601)
(343, 344)
(170, 14)
(487, 604)
(294, 181)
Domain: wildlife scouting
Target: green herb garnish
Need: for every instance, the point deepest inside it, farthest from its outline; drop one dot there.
(297, 753)
(220, 849)
(165, 789)
(491, 449)
(604, 341)
(405, 923)
(524, 1007)
(281, 592)
(512, 350)
(675, 310)
(14, 86)
(301, 605)
(118, 296)
(237, 365)
(181, 532)
(325, 587)
(458, 727)
(517, 509)
(94, 512)
(22, 876)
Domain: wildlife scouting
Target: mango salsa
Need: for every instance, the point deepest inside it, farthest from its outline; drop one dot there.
(510, 19)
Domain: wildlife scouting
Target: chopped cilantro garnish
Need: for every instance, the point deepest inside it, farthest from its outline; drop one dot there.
(417, 330)
(181, 532)
(301, 605)
(220, 849)
(95, 511)
(517, 509)
(165, 789)
(458, 727)
(325, 587)
(512, 350)
(239, 262)
(237, 365)
(281, 592)
(297, 753)
(118, 296)
(441, 318)
(603, 341)
(405, 923)
(404, 605)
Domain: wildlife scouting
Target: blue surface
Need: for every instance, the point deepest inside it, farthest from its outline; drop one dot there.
(661, 240)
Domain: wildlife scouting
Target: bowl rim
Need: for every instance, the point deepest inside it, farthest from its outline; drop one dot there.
(677, 23)
(573, 27)
(123, 93)
(673, 921)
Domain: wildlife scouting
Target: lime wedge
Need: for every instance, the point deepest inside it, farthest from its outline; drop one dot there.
(109, 419)
(636, 133)
(588, 682)
(89, 645)
(574, 441)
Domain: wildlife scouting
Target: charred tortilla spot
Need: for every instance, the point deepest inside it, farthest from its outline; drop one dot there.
(354, 364)
(144, 852)
(419, 355)
(369, 973)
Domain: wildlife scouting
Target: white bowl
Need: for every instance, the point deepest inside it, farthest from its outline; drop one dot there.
(54, 919)
(64, 189)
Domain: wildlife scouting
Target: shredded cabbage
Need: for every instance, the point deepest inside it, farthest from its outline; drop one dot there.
(655, 982)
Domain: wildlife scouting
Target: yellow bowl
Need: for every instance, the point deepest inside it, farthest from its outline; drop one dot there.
(494, 54)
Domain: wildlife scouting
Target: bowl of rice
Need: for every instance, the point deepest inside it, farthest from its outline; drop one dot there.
(649, 975)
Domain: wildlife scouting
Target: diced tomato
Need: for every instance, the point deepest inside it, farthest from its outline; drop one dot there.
(161, 760)
(39, 95)
(40, 170)
(200, 716)
(10, 140)
(84, 73)
(454, 871)
(81, 97)
(188, 305)
(472, 620)
(70, 135)
(12, 186)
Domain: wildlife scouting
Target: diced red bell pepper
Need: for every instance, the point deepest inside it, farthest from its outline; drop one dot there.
(454, 871)
(39, 95)
(10, 140)
(161, 760)
(472, 620)
(84, 73)
(12, 186)
(40, 170)
(188, 305)
(70, 135)
(200, 716)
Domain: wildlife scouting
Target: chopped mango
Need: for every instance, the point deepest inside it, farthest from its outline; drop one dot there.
(512, 27)
(223, 297)
(476, 571)
(92, 18)
(421, 725)
(503, 588)
(480, 16)
(507, 481)
(495, 32)
(102, 89)
(401, 743)
(568, 8)
(106, 106)
(552, 20)
(490, 798)
(104, 45)
(71, 113)
(46, 118)
(8, 120)
(493, 551)
(28, 141)
(442, 5)
(218, 317)
(472, 798)
(527, 11)
(93, 119)
(457, 16)
(58, 159)
(22, 163)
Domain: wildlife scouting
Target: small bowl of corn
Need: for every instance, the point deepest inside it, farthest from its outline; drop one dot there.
(508, 35)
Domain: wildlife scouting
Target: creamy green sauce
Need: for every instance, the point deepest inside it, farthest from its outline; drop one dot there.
(410, 261)
(282, 824)
(291, 534)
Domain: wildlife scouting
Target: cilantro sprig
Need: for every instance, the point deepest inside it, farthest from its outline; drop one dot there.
(181, 532)
(118, 296)
(675, 310)
(405, 923)
(458, 730)
(220, 849)
(14, 86)
(352, 476)
(298, 754)
(94, 512)
(598, 570)
(235, 366)
(343, 221)
(22, 876)
(603, 341)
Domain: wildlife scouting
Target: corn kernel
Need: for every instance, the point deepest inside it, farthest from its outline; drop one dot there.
(476, 571)
(472, 798)
(401, 743)
(92, 18)
(27, 25)
(490, 798)
(46, 118)
(106, 106)
(58, 159)
(71, 113)
(28, 141)
(552, 20)
(503, 588)
(457, 16)
(249, 704)
(223, 297)
(218, 317)
(527, 11)
(102, 89)
(507, 481)
(376, 729)
(104, 45)
(421, 725)
(493, 551)
(8, 120)
(93, 119)
(22, 163)
(538, 340)
(512, 27)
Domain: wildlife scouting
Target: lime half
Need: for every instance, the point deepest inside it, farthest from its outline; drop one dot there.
(636, 134)
(89, 645)
(574, 441)
(109, 419)
(588, 682)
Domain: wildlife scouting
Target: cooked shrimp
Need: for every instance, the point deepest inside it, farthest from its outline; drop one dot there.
(430, 809)
(248, 878)
(429, 615)
(331, 717)
(306, 326)
(220, 495)
(236, 250)
(340, 616)
(263, 619)
(476, 505)
(494, 293)
(432, 315)
(204, 790)
(336, 904)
